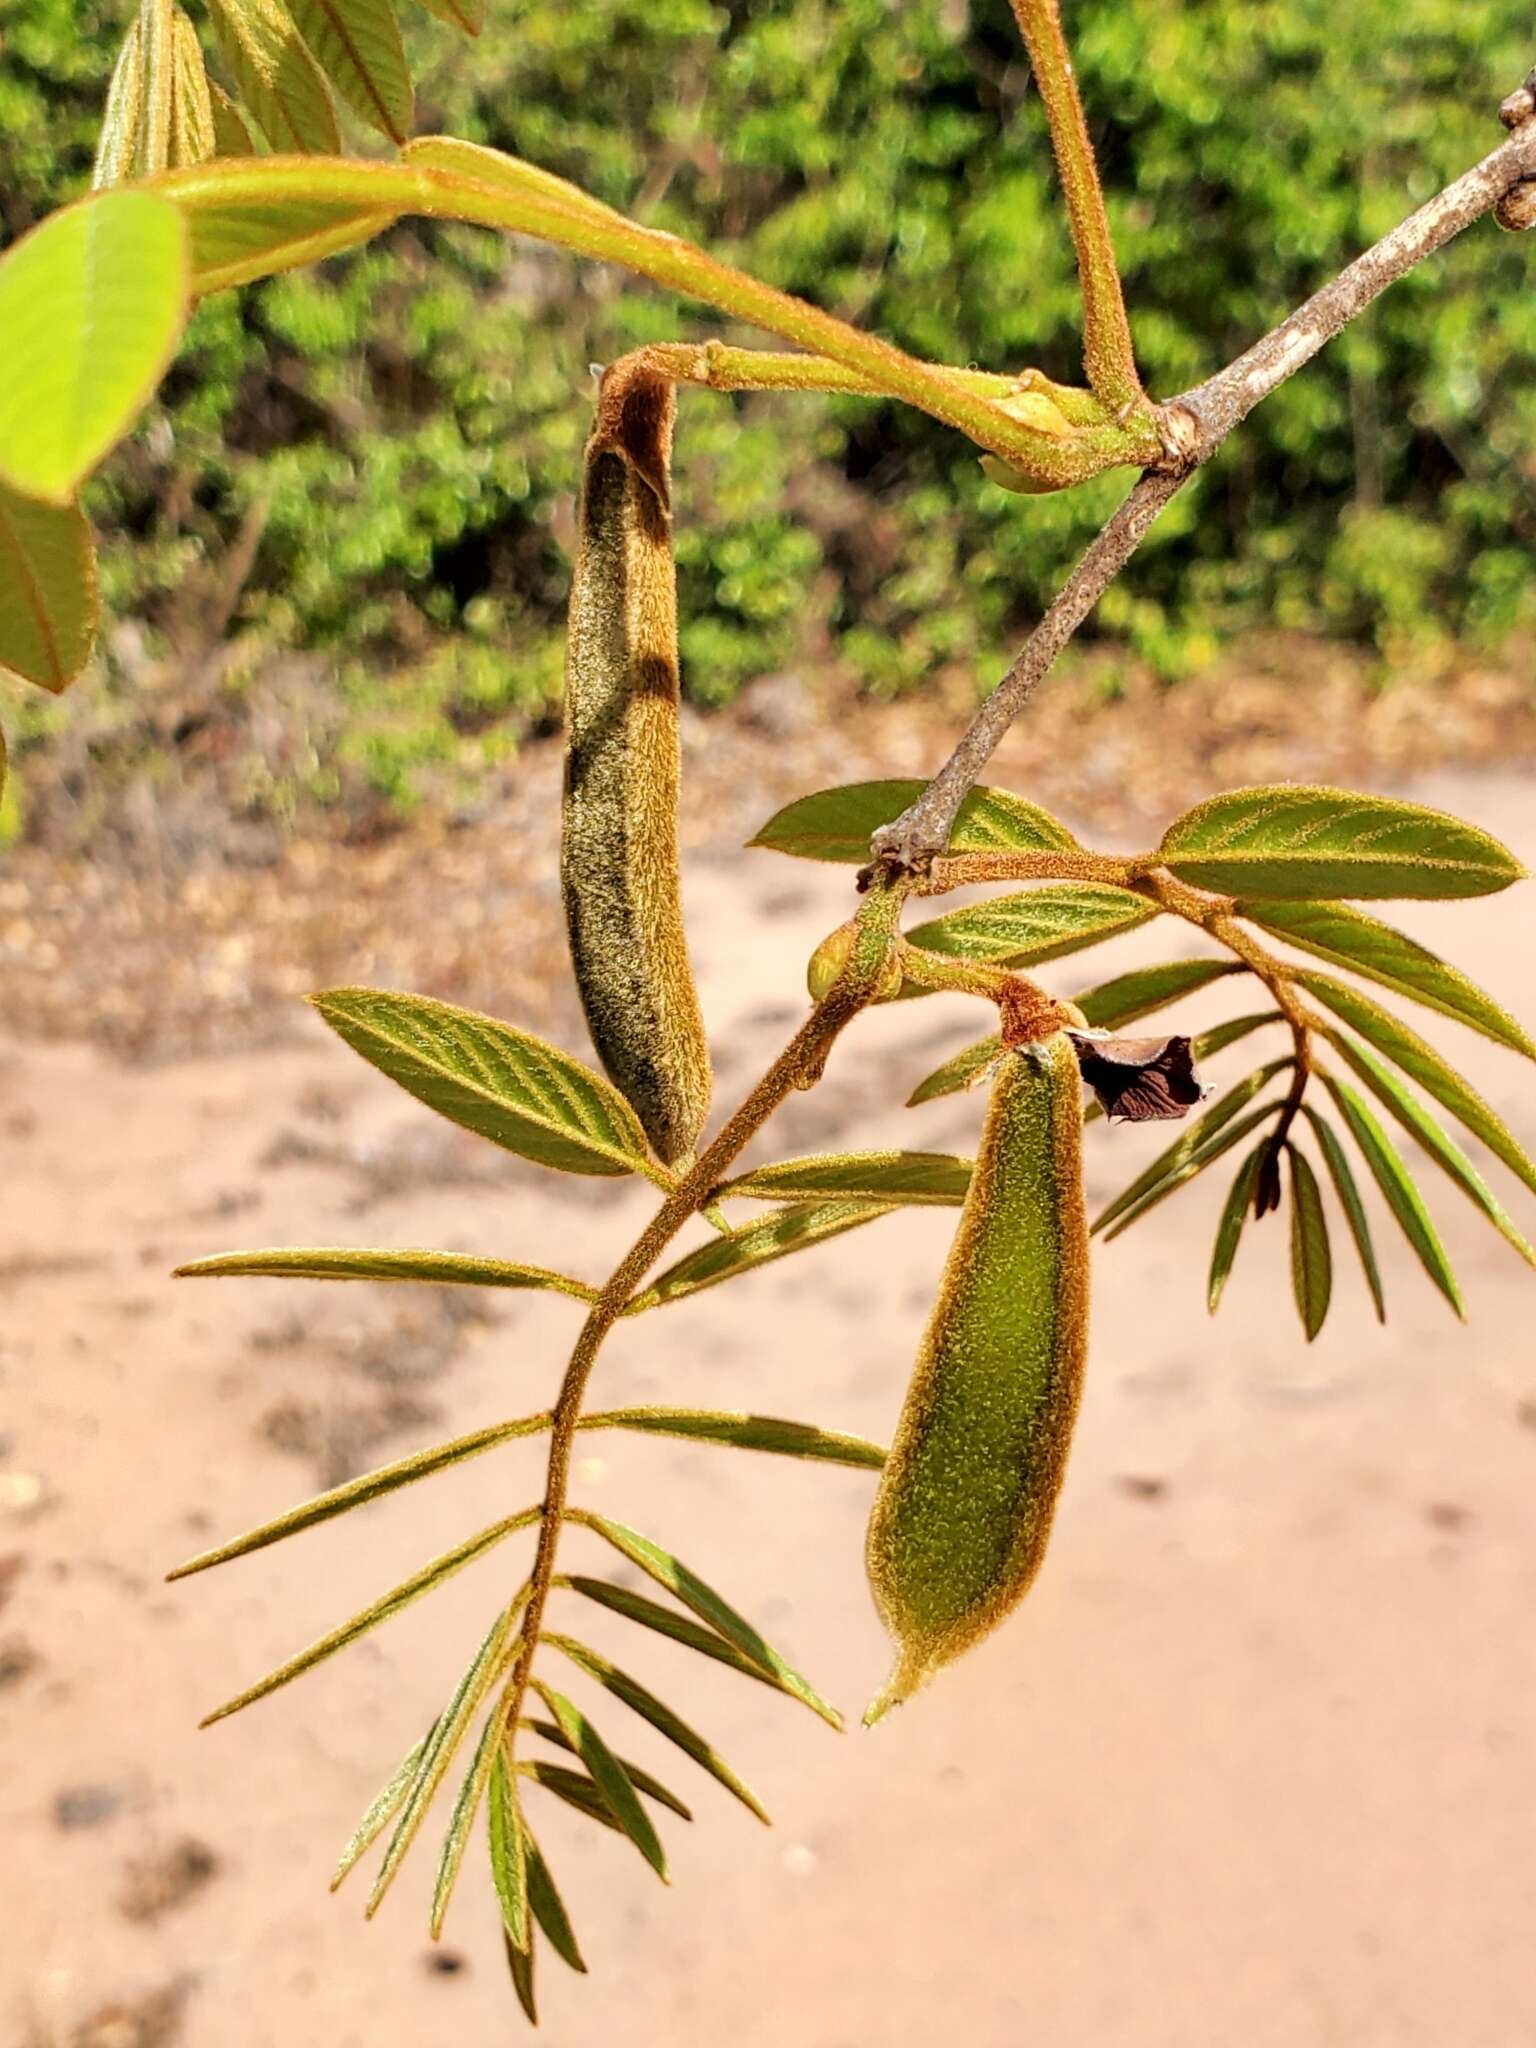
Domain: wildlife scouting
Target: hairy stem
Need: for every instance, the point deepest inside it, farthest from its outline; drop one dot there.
(1108, 354)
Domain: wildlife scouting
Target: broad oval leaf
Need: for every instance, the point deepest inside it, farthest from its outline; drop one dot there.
(1366, 946)
(1195, 1134)
(91, 307)
(1311, 1259)
(1347, 1189)
(901, 1177)
(1146, 989)
(358, 46)
(757, 1244)
(1410, 1052)
(609, 1776)
(661, 1717)
(48, 595)
(441, 1269)
(707, 1604)
(1229, 1230)
(1414, 1117)
(1399, 1187)
(837, 824)
(1291, 840)
(278, 80)
(503, 1084)
(1037, 924)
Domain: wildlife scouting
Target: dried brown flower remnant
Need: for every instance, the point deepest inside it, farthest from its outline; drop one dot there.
(1139, 1079)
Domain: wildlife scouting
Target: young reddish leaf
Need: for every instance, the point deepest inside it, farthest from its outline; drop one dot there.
(837, 824)
(277, 78)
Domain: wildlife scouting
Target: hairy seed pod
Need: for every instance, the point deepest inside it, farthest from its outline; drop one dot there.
(618, 843)
(966, 1498)
(831, 957)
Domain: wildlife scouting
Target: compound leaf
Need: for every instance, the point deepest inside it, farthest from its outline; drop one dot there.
(1191, 1140)
(383, 1810)
(641, 1780)
(609, 1776)
(358, 47)
(277, 78)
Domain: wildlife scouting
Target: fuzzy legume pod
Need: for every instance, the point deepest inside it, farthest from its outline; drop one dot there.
(618, 844)
(968, 1491)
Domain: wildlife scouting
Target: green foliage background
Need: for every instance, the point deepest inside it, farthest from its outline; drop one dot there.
(408, 421)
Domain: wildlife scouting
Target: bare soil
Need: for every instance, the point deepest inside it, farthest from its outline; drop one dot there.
(1254, 1764)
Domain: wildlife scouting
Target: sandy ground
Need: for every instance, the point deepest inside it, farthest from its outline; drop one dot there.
(1255, 1764)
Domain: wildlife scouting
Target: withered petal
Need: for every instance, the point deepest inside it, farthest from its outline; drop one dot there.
(1139, 1079)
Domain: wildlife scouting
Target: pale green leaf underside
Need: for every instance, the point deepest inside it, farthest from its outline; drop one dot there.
(1291, 840)
(48, 597)
(901, 1177)
(358, 47)
(1397, 1185)
(837, 824)
(1311, 1257)
(757, 1244)
(503, 1084)
(1035, 925)
(1349, 938)
(91, 308)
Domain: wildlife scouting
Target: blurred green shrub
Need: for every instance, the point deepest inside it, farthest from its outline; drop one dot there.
(394, 439)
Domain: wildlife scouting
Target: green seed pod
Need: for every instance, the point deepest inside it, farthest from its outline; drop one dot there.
(967, 1494)
(618, 843)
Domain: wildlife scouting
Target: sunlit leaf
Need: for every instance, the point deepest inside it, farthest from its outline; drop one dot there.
(1397, 1185)
(465, 1807)
(837, 824)
(503, 1084)
(1192, 1137)
(277, 79)
(442, 1746)
(91, 307)
(757, 1244)
(159, 23)
(609, 1776)
(1348, 1191)
(444, 1269)
(1037, 924)
(641, 1780)
(1445, 1152)
(509, 1865)
(707, 1604)
(1229, 1230)
(1145, 989)
(233, 135)
(193, 136)
(660, 1716)
(398, 1597)
(666, 1622)
(1407, 1050)
(1290, 841)
(1311, 1259)
(357, 43)
(117, 146)
(48, 596)
(1366, 946)
(901, 1177)
(383, 1809)
(234, 241)
(744, 1432)
(507, 173)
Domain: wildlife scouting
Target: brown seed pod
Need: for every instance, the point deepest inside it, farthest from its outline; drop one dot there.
(618, 843)
(968, 1491)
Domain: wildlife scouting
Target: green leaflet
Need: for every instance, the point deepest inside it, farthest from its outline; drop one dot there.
(508, 173)
(1190, 1141)
(1398, 1186)
(744, 1432)
(503, 1084)
(357, 45)
(641, 1780)
(233, 134)
(660, 1716)
(383, 1810)
(400, 1596)
(1197, 1161)
(509, 1866)
(1311, 1259)
(465, 1807)
(650, 1614)
(958, 1071)
(236, 240)
(756, 1244)
(1037, 924)
(277, 79)
(48, 596)
(194, 135)
(705, 1602)
(1229, 1230)
(1366, 946)
(837, 824)
(548, 1908)
(520, 1960)
(903, 1177)
(92, 304)
(446, 1269)
(1348, 1192)
(442, 1746)
(1414, 1117)
(1145, 989)
(609, 1776)
(1289, 840)
(1407, 1050)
